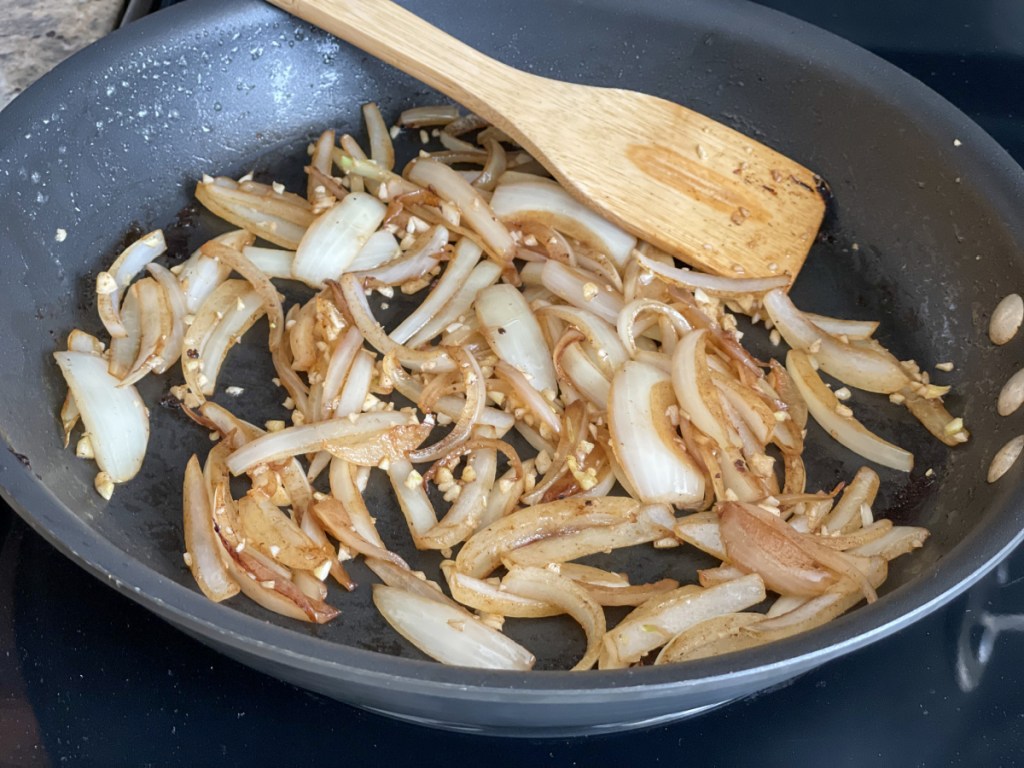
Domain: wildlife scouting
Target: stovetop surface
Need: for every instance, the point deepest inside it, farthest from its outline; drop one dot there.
(89, 678)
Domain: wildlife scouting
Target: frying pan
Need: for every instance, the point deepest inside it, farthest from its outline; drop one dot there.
(922, 233)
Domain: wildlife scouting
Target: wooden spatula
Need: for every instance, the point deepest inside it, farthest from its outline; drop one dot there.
(705, 193)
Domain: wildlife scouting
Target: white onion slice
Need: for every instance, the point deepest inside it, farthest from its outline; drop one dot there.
(280, 217)
(333, 240)
(202, 545)
(716, 285)
(321, 436)
(273, 262)
(645, 444)
(111, 283)
(220, 323)
(458, 306)
(601, 336)
(550, 587)
(381, 150)
(853, 330)
(433, 360)
(380, 248)
(483, 552)
(421, 257)
(476, 212)
(448, 634)
(466, 256)
(859, 367)
(115, 418)
(201, 274)
(546, 202)
(512, 331)
(357, 385)
(172, 345)
(823, 405)
(587, 292)
(412, 499)
(660, 619)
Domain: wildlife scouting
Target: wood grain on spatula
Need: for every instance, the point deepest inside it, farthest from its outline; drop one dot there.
(700, 190)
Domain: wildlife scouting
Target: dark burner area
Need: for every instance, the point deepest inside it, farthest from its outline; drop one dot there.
(89, 678)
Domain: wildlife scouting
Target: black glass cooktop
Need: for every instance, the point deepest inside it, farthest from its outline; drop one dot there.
(89, 678)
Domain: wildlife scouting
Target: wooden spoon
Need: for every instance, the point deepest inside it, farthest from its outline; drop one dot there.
(705, 193)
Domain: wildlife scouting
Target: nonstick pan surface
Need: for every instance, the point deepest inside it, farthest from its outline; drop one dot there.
(922, 233)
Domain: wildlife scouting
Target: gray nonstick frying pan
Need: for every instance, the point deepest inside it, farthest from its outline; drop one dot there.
(923, 233)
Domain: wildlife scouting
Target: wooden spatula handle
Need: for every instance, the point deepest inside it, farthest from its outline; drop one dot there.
(407, 42)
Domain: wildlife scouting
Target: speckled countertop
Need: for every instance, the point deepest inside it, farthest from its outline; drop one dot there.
(36, 35)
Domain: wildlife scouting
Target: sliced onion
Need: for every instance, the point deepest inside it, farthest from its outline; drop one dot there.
(846, 516)
(421, 257)
(582, 290)
(111, 283)
(346, 490)
(704, 639)
(451, 406)
(156, 323)
(899, 540)
(334, 435)
(201, 274)
(338, 365)
(660, 619)
(273, 262)
(115, 418)
(448, 634)
(546, 202)
(701, 530)
(266, 527)
(715, 285)
(428, 116)
(220, 323)
(433, 360)
(483, 552)
(465, 258)
(280, 217)
(172, 345)
(476, 212)
(357, 386)
(203, 547)
(476, 394)
(495, 166)
(464, 515)
(459, 305)
(333, 516)
(332, 242)
(515, 336)
(594, 534)
(528, 396)
(125, 348)
(608, 351)
(380, 248)
(822, 404)
(851, 329)
(381, 150)
(321, 162)
(549, 587)
(858, 367)
(644, 441)
(412, 497)
(766, 550)
(489, 597)
(626, 322)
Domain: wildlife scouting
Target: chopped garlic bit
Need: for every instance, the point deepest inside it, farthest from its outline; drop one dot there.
(104, 485)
